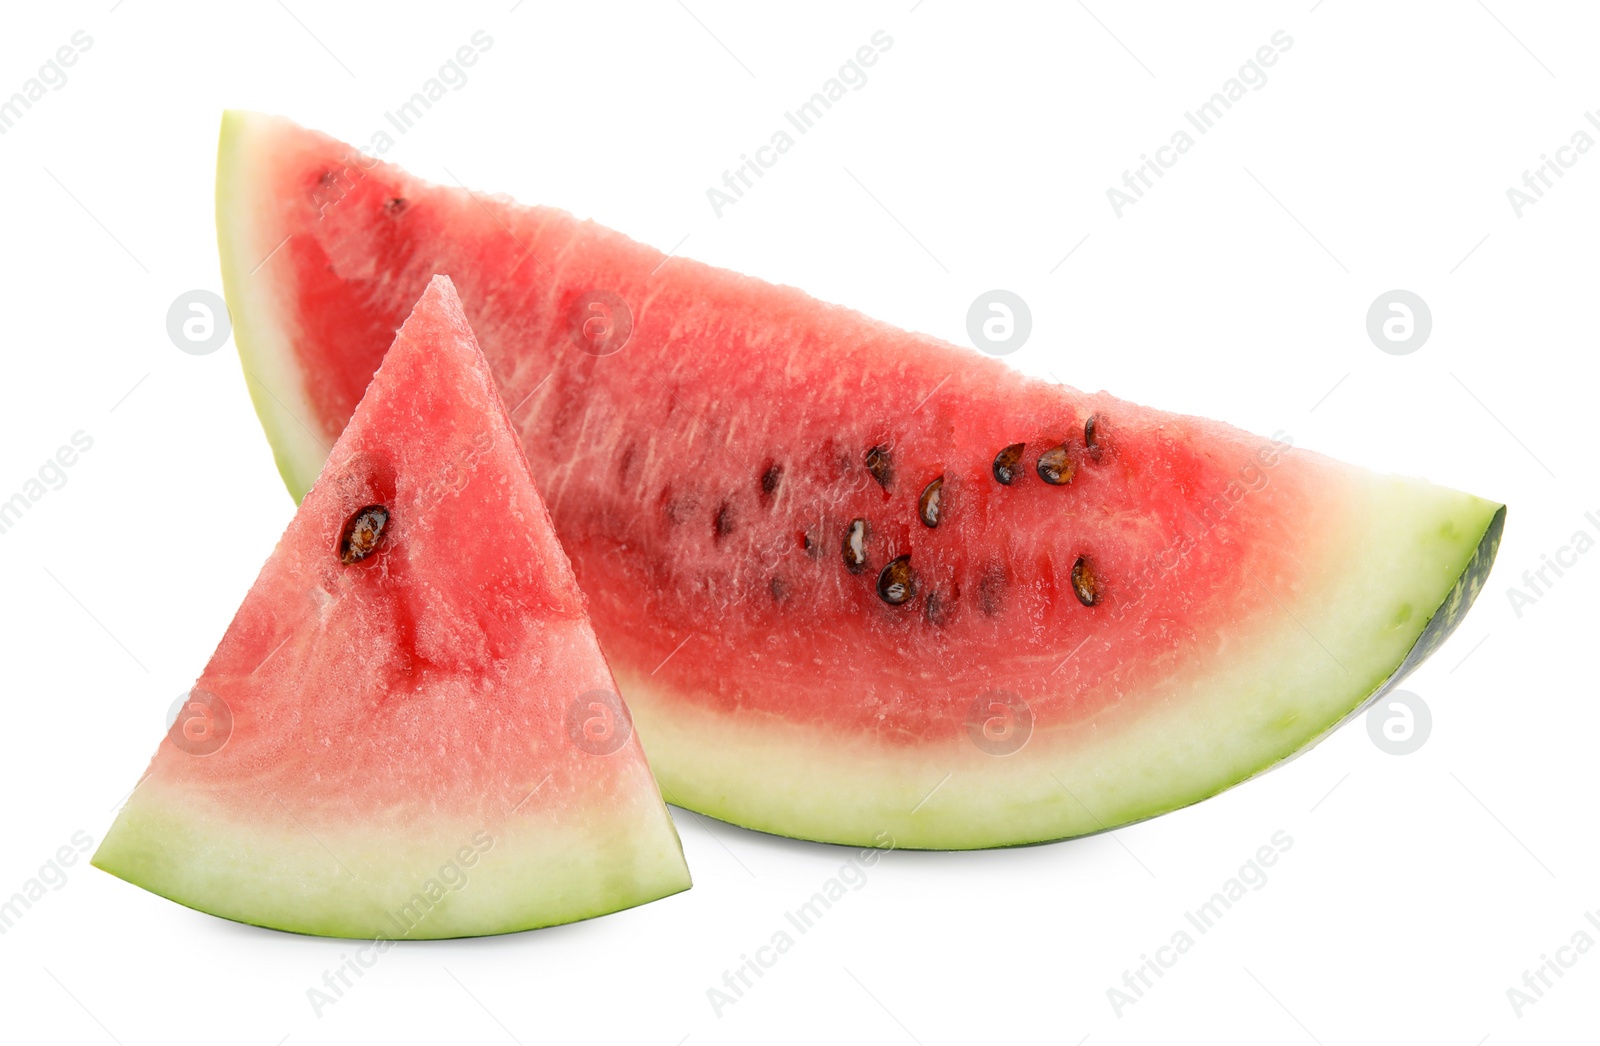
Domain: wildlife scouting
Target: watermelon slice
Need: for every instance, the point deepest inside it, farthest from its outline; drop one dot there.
(408, 730)
(857, 582)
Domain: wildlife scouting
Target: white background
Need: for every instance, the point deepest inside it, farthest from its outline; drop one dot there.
(1377, 155)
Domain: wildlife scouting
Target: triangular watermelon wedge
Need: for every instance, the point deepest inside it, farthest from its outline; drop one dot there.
(408, 730)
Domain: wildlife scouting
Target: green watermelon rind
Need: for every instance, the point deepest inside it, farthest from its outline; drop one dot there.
(265, 353)
(362, 883)
(957, 798)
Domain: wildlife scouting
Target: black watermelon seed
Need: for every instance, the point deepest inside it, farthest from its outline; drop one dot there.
(722, 525)
(362, 533)
(1094, 435)
(928, 504)
(854, 546)
(1005, 463)
(1054, 466)
(1084, 583)
(770, 480)
(896, 583)
(395, 205)
(880, 465)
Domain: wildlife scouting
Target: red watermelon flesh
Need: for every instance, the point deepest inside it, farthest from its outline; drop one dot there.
(742, 477)
(408, 730)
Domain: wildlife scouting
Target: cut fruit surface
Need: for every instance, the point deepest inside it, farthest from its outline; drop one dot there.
(408, 730)
(855, 581)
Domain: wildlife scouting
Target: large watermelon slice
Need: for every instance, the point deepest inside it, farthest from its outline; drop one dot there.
(856, 581)
(408, 730)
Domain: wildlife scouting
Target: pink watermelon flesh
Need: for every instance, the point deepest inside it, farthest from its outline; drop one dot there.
(423, 742)
(707, 442)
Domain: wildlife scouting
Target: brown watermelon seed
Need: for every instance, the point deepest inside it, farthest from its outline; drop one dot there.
(395, 205)
(854, 546)
(770, 480)
(1094, 435)
(779, 590)
(1054, 466)
(896, 583)
(362, 533)
(928, 503)
(722, 525)
(880, 465)
(1084, 584)
(1005, 463)
(936, 609)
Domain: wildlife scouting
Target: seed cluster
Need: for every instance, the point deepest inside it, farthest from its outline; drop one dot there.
(897, 582)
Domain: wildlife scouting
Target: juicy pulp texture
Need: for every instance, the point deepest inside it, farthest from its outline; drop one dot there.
(707, 443)
(422, 715)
